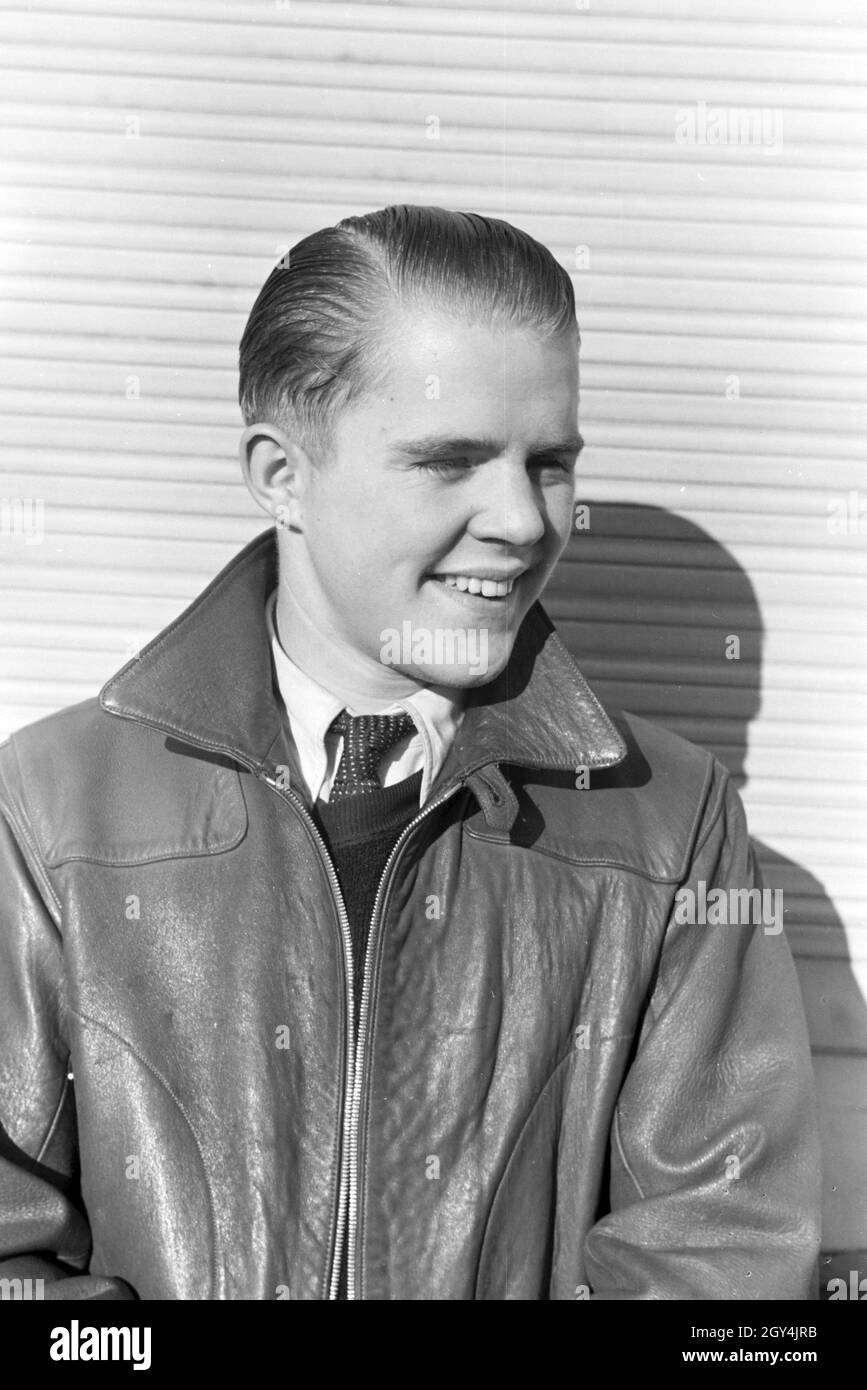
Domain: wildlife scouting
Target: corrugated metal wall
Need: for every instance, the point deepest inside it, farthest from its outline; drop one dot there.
(699, 168)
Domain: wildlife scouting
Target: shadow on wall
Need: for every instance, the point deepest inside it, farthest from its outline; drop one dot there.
(647, 603)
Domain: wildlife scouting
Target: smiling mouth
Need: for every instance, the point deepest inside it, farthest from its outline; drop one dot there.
(491, 589)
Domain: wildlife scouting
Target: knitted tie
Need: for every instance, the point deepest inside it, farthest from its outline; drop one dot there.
(366, 740)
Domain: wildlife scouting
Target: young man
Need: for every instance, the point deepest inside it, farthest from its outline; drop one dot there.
(344, 949)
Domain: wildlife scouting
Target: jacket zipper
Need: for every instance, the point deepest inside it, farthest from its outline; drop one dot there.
(347, 1194)
(298, 805)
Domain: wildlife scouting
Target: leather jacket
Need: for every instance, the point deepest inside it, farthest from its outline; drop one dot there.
(559, 1090)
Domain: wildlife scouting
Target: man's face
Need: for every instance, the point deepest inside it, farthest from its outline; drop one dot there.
(456, 477)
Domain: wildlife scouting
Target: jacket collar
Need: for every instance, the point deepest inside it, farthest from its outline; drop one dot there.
(208, 679)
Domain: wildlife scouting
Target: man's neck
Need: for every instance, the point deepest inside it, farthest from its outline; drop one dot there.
(360, 683)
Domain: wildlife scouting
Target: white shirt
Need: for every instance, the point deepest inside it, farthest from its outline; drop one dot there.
(315, 753)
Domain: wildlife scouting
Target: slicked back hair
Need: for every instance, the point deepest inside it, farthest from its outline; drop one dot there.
(317, 336)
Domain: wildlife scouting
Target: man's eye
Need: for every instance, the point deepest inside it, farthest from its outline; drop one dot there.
(457, 465)
(563, 465)
(444, 465)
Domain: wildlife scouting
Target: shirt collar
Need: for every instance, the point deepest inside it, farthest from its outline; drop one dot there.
(311, 709)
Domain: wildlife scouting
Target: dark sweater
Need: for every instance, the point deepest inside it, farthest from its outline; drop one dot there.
(360, 832)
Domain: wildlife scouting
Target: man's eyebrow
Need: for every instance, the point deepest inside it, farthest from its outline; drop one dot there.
(426, 444)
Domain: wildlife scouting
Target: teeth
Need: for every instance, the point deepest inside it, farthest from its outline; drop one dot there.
(488, 588)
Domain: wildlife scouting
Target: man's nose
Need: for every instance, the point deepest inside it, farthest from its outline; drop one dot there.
(510, 505)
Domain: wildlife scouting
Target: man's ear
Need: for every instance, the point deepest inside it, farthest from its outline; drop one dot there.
(275, 469)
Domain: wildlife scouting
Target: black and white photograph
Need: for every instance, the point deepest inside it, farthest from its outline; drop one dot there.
(433, 562)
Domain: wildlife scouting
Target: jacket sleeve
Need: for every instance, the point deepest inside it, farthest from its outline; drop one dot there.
(43, 1231)
(715, 1173)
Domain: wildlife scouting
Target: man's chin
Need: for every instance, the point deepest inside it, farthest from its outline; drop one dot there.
(457, 658)
(459, 675)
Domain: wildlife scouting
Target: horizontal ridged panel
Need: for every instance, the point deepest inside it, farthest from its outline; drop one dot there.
(158, 157)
